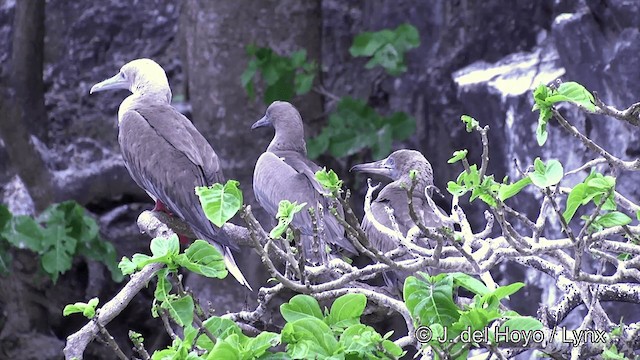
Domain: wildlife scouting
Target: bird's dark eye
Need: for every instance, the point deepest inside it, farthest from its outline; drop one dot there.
(123, 75)
(390, 161)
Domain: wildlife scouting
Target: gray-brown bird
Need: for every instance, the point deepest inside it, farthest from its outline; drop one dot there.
(165, 154)
(284, 172)
(396, 167)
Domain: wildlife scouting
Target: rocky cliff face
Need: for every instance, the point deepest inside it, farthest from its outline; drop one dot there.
(476, 58)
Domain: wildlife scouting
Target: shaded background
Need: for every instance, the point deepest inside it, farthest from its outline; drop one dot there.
(476, 57)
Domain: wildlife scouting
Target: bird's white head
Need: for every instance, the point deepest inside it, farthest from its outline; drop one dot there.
(141, 77)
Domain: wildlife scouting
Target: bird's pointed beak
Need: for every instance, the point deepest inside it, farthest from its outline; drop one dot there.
(115, 82)
(262, 122)
(376, 168)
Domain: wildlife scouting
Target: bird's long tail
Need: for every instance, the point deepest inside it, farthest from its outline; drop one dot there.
(232, 267)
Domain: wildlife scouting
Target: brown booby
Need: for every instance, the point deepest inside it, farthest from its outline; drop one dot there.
(397, 167)
(284, 172)
(165, 154)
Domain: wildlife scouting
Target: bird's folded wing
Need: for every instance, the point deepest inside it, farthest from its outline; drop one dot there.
(162, 160)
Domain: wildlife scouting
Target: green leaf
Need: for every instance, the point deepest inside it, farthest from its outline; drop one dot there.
(5, 217)
(220, 328)
(458, 155)
(286, 212)
(612, 353)
(204, 259)
(224, 350)
(504, 291)
(260, 344)
(58, 258)
(220, 202)
(24, 232)
(431, 301)
(163, 286)
(87, 309)
(612, 219)
(180, 310)
(574, 200)
(346, 309)
(165, 247)
(507, 191)
(576, 93)
(546, 175)
(470, 283)
(300, 307)
(329, 180)
(521, 324)
(541, 130)
(386, 47)
(127, 266)
(309, 337)
(304, 82)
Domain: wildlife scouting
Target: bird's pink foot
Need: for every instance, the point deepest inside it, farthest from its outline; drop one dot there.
(160, 206)
(184, 240)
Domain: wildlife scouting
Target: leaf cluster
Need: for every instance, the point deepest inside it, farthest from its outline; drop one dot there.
(283, 76)
(386, 48)
(309, 332)
(430, 300)
(354, 126)
(545, 97)
(61, 232)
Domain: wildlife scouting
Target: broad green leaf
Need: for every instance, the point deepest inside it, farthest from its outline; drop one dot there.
(347, 308)
(127, 266)
(300, 307)
(204, 259)
(576, 93)
(181, 310)
(612, 219)
(574, 200)
(458, 155)
(504, 291)
(475, 319)
(521, 323)
(58, 258)
(24, 232)
(546, 175)
(165, 247)
(220, 328)
(258, 345)
(431, 301)
(470, 283)
(224, 350)
(220, 202)
(309, 336)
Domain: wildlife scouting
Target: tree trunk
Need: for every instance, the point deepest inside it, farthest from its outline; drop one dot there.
(22, 111)
(216, 34)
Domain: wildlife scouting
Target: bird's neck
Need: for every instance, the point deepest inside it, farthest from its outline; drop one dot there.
(132, 100)
(289, 139)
